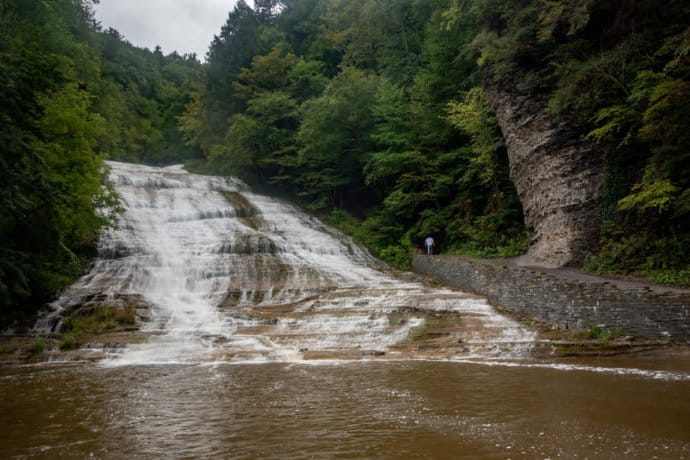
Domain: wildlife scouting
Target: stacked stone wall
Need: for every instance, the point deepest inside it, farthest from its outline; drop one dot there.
(638, 311)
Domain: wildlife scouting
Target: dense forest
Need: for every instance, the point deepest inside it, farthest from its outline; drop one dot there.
(375, 113)
(369, 112)
(372, 113)
(72, 95)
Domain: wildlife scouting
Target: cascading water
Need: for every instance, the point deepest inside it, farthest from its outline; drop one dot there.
(230, 275)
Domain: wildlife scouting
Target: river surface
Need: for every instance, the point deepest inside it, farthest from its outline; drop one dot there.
(266, 334)
(407, 409)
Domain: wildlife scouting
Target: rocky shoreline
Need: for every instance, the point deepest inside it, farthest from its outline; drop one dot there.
(436, 340)
(99, 328)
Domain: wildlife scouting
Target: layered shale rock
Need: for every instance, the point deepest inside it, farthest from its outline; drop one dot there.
(557, 172)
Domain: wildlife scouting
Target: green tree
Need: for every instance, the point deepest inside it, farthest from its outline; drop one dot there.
(334, 139)
(142, 95)
(50, 171)
(260, 145)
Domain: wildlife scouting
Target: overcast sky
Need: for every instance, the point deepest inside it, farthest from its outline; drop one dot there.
(185, 26)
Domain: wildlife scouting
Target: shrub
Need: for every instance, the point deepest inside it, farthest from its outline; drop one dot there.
(598, 332)
(661, 260)
(69, 342)
(396, 256)
(38, 347)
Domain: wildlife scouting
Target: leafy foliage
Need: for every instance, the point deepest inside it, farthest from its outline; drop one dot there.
(369, 111)
(620, 70)
(141, 95)
(50, 171)
(395, 128)
(72, 95)
(348, 112)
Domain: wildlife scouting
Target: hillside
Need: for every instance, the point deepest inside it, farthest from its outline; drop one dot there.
(552, 130)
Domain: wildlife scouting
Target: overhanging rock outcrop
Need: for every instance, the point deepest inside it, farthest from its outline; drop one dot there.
(557, 172)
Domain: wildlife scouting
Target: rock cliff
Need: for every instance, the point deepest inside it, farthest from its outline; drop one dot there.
(557, 172)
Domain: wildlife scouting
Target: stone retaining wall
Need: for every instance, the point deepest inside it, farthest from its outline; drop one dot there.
(637, 311)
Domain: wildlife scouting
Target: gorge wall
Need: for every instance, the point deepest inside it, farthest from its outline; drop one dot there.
(557, 172)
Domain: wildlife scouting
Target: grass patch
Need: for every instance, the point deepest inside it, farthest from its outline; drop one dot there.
(97, 321)
(590, 331)
(101, 319)
(38, 348)
(641, 255)
(667, 277)
(481, 249)
(69, 342)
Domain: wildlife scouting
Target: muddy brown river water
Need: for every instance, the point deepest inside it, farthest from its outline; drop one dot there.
(266, 334)
(408, 409)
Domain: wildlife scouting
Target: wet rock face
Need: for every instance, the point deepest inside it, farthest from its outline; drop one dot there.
(558, 175)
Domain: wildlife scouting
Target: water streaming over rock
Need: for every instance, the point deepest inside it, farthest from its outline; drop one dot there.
(229, 275)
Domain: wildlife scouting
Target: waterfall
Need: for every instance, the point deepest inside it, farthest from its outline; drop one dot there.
(230, 275)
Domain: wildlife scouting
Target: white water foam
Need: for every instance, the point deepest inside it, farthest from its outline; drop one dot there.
(232, 275)
(563, 367)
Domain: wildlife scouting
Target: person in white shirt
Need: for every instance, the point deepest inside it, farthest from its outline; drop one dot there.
(429, 243)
